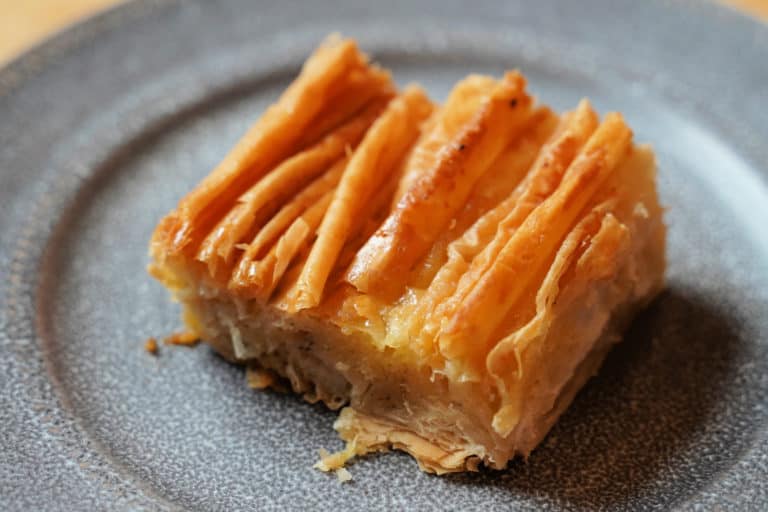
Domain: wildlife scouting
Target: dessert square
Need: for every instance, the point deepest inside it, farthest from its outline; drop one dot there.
(450, 275)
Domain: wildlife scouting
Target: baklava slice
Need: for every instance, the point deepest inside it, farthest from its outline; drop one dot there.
(449, 274)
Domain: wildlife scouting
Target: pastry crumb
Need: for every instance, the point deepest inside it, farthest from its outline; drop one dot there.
(184, 338)
(343, 475)
(259, 378)
(151, 346)
(335, 461)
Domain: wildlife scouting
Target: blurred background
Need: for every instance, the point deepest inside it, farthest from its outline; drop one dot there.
(24, 23)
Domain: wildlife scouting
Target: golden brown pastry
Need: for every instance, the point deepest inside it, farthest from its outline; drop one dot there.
(451, 274)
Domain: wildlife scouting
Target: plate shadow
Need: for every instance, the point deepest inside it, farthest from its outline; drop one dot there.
(649, 425)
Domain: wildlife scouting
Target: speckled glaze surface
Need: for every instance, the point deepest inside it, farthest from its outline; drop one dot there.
(103, 129)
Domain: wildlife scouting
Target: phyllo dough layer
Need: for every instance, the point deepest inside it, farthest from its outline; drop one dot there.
(450, 274)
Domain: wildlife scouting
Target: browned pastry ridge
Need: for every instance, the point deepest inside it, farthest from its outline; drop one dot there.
(449, 274)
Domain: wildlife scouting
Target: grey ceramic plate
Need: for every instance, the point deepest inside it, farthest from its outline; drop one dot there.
(102, 129)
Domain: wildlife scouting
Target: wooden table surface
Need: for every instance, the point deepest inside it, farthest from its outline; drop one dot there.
(24, 23)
